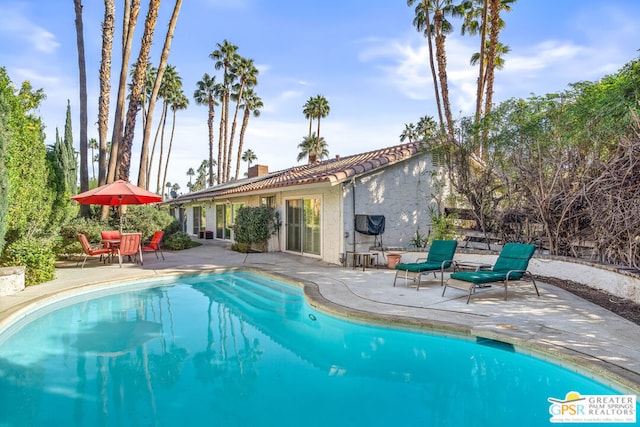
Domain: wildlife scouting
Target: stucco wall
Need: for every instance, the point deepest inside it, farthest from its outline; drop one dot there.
(402, 193)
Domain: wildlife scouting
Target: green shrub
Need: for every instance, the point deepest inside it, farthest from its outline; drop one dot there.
(443, 226)
(241, 247)
(178, 241)
(254, 225)
(33, 253)
(145, 219)
(67, 243)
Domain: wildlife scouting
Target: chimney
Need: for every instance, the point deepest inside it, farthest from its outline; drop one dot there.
(257, 170)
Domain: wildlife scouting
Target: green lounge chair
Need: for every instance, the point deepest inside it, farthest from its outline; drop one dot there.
(511, 265)
(439, 258)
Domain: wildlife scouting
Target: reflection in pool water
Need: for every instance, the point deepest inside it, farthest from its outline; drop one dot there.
(239, 349)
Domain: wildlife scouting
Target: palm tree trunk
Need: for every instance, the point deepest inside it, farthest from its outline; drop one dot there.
(105, 89)
(139, 77)
(441, 57)
(166, 164)
(243, 128)
(432, 66)
(491, 56)
(163, 115)
(210, 121)
(221, 148)
(144, 150)
(84, 170)
(130, 19)
(225, 159)
(159, 188)
(481, 74)
(233, 130)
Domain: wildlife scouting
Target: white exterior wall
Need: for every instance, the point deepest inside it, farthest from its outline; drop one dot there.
(402, 193)
(331, 217)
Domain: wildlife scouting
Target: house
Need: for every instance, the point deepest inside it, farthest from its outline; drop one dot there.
(329, 207)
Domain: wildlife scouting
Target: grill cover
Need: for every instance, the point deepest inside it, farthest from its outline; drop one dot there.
(372, 225)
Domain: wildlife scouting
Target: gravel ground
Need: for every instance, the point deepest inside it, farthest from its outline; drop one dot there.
(622, 307)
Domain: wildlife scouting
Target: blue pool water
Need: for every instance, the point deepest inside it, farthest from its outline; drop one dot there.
(239, 349)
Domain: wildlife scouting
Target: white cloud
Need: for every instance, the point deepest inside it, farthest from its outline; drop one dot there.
(16, 24)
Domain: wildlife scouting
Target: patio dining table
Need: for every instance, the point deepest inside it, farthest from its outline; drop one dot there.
(113, 245)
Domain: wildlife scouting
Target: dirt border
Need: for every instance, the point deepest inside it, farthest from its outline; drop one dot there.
(620, 306)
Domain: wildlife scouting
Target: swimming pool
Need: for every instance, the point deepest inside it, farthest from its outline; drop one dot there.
(240, 349)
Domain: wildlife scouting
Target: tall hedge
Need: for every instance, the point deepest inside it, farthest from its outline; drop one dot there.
(4, 179)
(30, 198)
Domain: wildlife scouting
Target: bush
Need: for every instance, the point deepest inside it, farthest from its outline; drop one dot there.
(145, 219)
(178, 241)
(254, 225)
(36, 255)
(244, 248)
(67, 243)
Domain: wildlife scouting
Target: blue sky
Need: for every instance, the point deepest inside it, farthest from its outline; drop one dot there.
(364, 56)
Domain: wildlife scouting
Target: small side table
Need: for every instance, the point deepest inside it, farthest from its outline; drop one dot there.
(468, 265)
(361, 258)
(474, 266)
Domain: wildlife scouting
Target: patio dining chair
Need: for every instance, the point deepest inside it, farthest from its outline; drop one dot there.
(154, 244)
(130, 245)
(89, 251)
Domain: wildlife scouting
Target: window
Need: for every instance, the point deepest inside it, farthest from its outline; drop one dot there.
(268, 201)
(225, 218)
(199, 220)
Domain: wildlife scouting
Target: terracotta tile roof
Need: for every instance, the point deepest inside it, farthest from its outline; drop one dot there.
(332, 171)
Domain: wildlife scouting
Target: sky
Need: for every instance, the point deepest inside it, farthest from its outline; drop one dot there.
(364, 56)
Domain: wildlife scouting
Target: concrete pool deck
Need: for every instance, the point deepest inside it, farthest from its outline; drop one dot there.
(557, 326)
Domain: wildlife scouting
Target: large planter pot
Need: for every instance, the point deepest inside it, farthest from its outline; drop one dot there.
(393, 260)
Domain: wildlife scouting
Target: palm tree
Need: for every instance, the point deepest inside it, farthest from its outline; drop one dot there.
(105, 89)
(247, 73)
(162, 66)
(190, 173)
(84, 170)
(201, 180)
(321, 110)
(248, 156)
(409, 132)
(205, 94)
(426, 128)
(252, 105)
(477, 20)
(93, 145)
(221, 90)
(179, 102)
(137, 86)
(170, 88)
(225, 57)
(313, 148)
(438, 31)
(308, 111)
(129, 20)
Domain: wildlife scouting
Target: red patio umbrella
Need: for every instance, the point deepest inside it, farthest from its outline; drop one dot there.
(117, 193)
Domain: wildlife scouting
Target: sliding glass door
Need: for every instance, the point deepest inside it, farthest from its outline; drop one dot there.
(303, 226)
